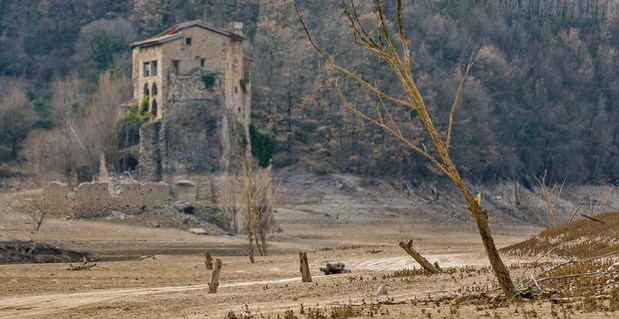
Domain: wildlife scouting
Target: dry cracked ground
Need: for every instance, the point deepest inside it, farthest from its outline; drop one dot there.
(174, 283)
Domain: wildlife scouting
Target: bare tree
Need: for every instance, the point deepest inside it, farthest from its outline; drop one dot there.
(551, 192)
(230, 203)
(393, 49)
(67, 104)
(17, 118)
(36, 208)
(85, 129)
(258, 207)
(101, 112)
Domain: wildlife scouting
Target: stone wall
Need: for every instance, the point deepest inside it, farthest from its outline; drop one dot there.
(185, 190)
(142, 195)
(92, 200)
(55, 196)
(149, 157)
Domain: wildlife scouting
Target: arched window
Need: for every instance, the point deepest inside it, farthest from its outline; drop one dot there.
(154, 89)
(146, 90)
(153, 109)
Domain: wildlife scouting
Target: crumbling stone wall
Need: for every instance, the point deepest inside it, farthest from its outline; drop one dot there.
(185, 190)
(97, 199)
(92, 200)
(149, 158)
(142, 195)
(55, 196)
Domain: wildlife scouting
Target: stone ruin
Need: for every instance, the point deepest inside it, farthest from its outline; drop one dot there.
(97, 199)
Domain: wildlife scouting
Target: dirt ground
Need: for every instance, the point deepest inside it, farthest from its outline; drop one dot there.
(174, 284)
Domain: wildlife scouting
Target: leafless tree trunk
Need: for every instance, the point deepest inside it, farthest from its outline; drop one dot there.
(208, 261)
(212, 286)
(306, 276)
(397, 54)
(408, 248)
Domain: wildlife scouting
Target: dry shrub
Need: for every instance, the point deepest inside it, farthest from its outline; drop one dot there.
(581, 238)
(599, 283)
(551, 192)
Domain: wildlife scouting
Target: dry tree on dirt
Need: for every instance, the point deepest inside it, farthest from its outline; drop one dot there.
(258, 196)
(551, 192)
(36, 208)
(393, 48)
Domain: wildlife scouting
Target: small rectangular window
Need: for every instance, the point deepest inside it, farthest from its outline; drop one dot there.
(188, 41)
(202, 62)
(176, 64)
(146, 69)
(153, 68)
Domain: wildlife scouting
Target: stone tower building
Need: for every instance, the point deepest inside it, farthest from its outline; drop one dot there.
(196, 80)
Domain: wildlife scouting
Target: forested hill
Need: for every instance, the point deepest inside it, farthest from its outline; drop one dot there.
(543, 95)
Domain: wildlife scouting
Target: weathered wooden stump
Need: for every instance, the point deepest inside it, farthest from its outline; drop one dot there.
(408, 247)
(208, 261)
(306, 276)
(334, 269)
(212, 286)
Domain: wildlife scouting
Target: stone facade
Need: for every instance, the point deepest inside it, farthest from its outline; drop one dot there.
(199, 93)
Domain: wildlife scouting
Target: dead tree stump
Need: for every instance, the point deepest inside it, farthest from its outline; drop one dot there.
(208, 261)
(305, 270)
(334, 269)
(212, 286)
(408, 247)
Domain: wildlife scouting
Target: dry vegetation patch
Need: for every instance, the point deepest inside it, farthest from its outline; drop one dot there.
(582, 238)
(20, 252)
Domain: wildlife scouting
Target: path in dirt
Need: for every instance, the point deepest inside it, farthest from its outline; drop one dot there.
(22, 307)
(28, 306)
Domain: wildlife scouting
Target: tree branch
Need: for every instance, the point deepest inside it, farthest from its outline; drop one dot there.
(391, 131)
(344, 70)
(456, 100)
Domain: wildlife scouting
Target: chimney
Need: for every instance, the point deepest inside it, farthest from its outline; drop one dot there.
(238, 28)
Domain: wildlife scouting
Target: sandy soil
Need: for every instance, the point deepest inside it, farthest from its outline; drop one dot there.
(174, 284)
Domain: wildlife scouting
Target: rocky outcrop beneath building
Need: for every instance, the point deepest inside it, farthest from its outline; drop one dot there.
(197, 133)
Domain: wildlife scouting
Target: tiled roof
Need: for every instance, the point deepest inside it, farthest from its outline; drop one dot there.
(173, 33)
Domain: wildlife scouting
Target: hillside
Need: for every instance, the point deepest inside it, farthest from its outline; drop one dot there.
(542, 96)
(580, 238)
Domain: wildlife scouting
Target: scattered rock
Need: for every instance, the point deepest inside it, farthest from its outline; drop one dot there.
(198, 231)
